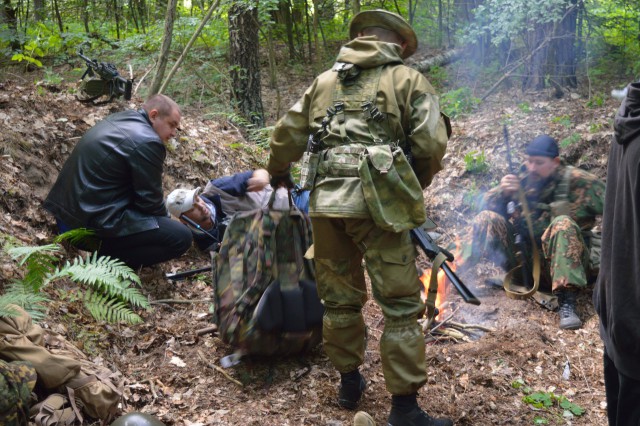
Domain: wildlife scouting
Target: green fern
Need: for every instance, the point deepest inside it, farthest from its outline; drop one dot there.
(39, 261)
(76, 236)
(104, 308)
(112, 284)
(21, 294)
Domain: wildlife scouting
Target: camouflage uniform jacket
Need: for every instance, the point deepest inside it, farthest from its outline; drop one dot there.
(403, 95)
(586, 197)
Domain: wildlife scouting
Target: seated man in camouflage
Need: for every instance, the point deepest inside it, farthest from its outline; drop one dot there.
(563, 201)
(210, 210)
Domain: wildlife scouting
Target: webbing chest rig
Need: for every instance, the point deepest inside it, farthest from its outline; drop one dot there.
(351, 123)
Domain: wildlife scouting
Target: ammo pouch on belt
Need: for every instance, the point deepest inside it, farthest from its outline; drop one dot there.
(391, 189)
(309, 169)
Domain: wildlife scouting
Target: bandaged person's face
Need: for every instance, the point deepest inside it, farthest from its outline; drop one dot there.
(200, 213)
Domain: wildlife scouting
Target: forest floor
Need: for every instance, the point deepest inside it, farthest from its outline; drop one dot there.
(170, 370)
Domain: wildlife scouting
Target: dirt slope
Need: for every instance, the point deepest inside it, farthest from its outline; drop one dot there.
(169, 367)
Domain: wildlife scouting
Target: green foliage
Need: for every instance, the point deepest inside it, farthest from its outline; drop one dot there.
(596, 101)
(109, 282)
(476, 162)
(458, 102)
(566, 142)
(564, 120)
(438, 77)
(524, 107)
(547, 401)
(511, 20)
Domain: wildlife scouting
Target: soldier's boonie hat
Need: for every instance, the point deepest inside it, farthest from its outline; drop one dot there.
(543, 146)
(181, 200)
(389, 21)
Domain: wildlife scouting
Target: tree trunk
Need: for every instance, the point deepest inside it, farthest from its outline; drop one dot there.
(244, 46)
(166, 46)
(56, 9)
(195, 35)
(85, 15)
(38, 10)
(564, 47)
(534, 77)
(116, 14)
(9, 16)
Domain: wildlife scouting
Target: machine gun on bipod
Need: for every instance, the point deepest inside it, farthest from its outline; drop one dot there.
(102, 79)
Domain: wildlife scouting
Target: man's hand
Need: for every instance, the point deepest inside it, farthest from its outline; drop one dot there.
(258, 180)
(509, 185)
(282, 180)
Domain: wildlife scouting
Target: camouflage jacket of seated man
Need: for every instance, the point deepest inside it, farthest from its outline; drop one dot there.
(560, 238)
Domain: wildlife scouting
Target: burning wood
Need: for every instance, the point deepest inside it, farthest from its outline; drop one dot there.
(442, 327)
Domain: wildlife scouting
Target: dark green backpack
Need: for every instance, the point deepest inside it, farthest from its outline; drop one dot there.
(265, 297)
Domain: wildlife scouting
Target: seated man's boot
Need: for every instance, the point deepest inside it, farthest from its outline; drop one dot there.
(406, 412)
(352, 385)
(569, 320)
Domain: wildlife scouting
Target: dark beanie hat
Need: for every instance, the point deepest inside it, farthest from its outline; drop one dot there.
(543, 146)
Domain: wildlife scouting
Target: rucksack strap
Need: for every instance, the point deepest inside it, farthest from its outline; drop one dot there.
(562, 190)
(52, 411)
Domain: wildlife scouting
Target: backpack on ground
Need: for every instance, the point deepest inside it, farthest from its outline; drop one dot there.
(75, 387)
(265, 297)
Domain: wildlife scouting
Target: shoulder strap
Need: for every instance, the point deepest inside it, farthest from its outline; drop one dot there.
(352, 94)
(562, 191)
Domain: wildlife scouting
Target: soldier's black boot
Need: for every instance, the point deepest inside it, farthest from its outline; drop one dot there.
(569, 320)
(352, 385)
(406, 412)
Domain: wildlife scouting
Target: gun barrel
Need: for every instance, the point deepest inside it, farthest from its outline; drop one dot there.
(177, 276)
(466, 294)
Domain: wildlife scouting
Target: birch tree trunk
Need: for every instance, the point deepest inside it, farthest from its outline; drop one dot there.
(166, 45)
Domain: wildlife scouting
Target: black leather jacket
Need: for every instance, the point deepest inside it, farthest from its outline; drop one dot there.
(112, 182)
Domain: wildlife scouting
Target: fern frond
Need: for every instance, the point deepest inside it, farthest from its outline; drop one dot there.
(75, 236)
(104, 308)
(23, 253)
(19, 294)
(133, 296)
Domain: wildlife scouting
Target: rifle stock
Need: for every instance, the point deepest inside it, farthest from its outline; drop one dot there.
(431, 250)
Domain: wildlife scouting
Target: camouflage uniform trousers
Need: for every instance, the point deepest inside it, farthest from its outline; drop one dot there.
(17, 380)
(339, 246)
(565, 255)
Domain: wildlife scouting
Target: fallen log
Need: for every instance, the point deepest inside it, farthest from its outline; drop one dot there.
(438, 60)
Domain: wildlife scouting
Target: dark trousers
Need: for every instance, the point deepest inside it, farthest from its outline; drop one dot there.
(623, 396)
(170, 240)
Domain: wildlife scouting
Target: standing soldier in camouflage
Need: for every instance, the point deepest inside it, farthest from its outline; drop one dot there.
(17, 380)
(368, 115)
(563, 202)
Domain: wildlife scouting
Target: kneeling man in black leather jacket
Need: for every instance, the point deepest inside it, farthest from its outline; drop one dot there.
(112, 183)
